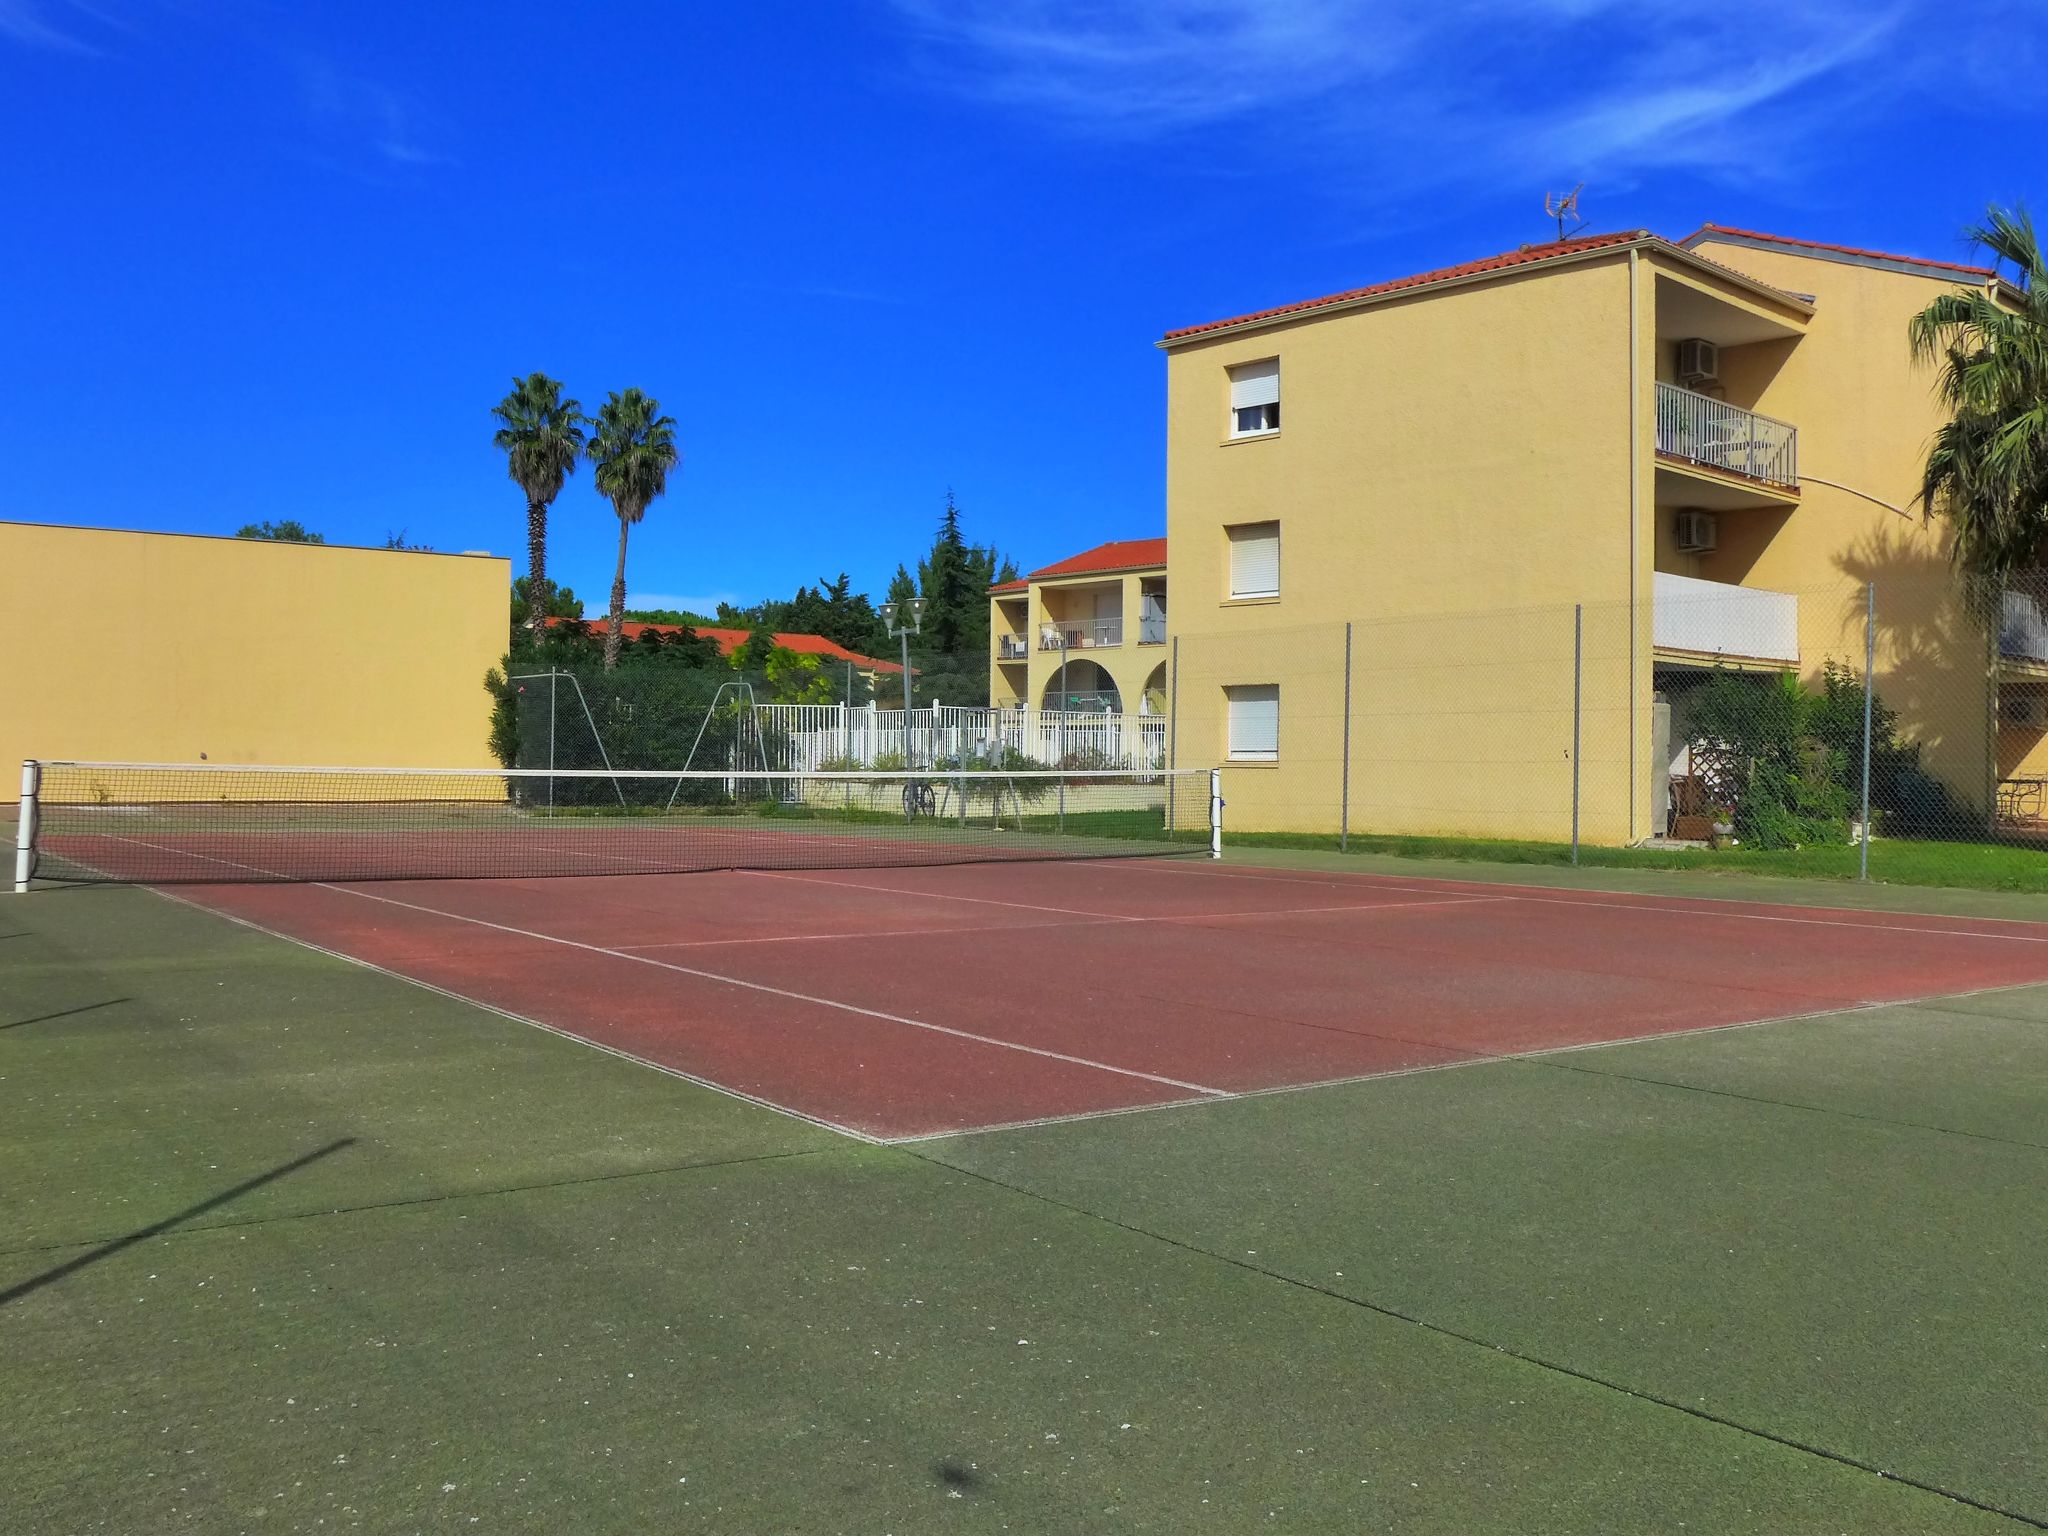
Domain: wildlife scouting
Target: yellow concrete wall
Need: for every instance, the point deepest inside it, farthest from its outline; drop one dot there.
(1865, 415)
(1463, 454)
(168, 648)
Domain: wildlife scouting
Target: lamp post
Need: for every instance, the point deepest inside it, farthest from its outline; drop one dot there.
(913, 613)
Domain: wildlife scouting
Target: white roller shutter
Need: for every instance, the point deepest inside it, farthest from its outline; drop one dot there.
(1254, 560)
(1254, 710)
(1255, 384)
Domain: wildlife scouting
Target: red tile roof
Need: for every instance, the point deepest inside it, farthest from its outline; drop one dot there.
(1708, 230)
(1019, 585)
(730, 640)
(1501, 263)
(1118, 555)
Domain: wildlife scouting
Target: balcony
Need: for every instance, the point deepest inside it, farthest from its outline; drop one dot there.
(1711, 434)
(1012, 648)
(1712, 621)
(1152, 629)
(1080, 634)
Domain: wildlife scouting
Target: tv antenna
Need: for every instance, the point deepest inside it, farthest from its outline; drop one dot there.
(1565, 206)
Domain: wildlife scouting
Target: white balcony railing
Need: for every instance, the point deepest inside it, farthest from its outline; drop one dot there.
(1152, 629)
(1714, 618)
(1081, 634)
(1012, 647)
(1710, 432)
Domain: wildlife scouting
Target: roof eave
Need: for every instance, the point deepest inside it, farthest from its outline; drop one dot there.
(1646, 242)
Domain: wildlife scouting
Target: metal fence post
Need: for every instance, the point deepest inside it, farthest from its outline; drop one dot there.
(1344, 769)
(551, 739)
(1578, 712)
(1869, 686)
(1172, 729)
(25, 825)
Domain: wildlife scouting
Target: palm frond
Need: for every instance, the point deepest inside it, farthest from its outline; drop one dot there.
(1986, 471)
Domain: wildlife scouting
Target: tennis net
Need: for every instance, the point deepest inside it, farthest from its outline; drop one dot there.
(156, 824)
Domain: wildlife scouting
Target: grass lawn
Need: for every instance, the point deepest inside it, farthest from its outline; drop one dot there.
(1979, 866)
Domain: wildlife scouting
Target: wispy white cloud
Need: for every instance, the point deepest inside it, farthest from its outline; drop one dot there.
(1401, 94)
(59, 26)
(359, 115)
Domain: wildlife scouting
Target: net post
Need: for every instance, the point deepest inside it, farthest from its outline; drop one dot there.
(1578, 712)
(1215, 813)
(1344, 764)
(1869, 674)
(25, 825)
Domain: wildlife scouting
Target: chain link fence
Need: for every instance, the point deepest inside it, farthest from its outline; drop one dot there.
(1712, 716)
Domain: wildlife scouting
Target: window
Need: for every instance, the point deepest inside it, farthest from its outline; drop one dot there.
(1255, 398)
(1254, 559)
(1254, 710)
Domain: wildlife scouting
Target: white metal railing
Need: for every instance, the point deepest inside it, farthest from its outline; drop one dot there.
(1716, 618)
(1012, 647)
(866, 736)
(2022, 628)
(1703, 430)
(1080, 634)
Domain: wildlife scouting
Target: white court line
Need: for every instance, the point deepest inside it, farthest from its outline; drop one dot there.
(783, 992)
(1103, 921)
(1536, 1054)
(1444, 900)
(731, 981)
(531, 1023)
(1531, 893)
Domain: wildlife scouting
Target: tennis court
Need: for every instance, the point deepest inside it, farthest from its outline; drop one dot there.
(900, 1003)
(987, 1184)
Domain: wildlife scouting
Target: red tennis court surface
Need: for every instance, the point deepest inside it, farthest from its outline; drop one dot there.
(906, 1002)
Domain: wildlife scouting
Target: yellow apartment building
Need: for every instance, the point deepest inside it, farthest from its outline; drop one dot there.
(177, 648)
(1087, 633)
(1425, 496)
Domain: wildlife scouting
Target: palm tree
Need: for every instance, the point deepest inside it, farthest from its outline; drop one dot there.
(634, 448)
(1987, 469)
(541, 436)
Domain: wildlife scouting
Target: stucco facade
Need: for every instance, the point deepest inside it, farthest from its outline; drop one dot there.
(1088, 633)
(1478, 470)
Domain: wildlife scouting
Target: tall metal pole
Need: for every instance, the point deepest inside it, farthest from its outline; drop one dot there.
(1344, 769)
(1578, 712)
(1869, 687)
(1172, 731)
(551, 739)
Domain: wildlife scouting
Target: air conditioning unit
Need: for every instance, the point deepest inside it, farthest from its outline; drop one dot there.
(1696, 531)
(1699, 362)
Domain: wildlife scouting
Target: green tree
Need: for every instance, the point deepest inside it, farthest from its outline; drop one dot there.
(1987, 469)
(540, 437)
(796, 679)
(634, 448)
(562, 603)
(955, 606)
(287, 531)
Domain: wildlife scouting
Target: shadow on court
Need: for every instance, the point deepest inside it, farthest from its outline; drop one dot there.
(67, 1013)
(107, 1250)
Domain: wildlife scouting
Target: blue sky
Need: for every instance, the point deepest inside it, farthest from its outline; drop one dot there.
(273, 259)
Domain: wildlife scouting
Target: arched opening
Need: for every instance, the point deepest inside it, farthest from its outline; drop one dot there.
(1082, 685)
(1153, 701)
